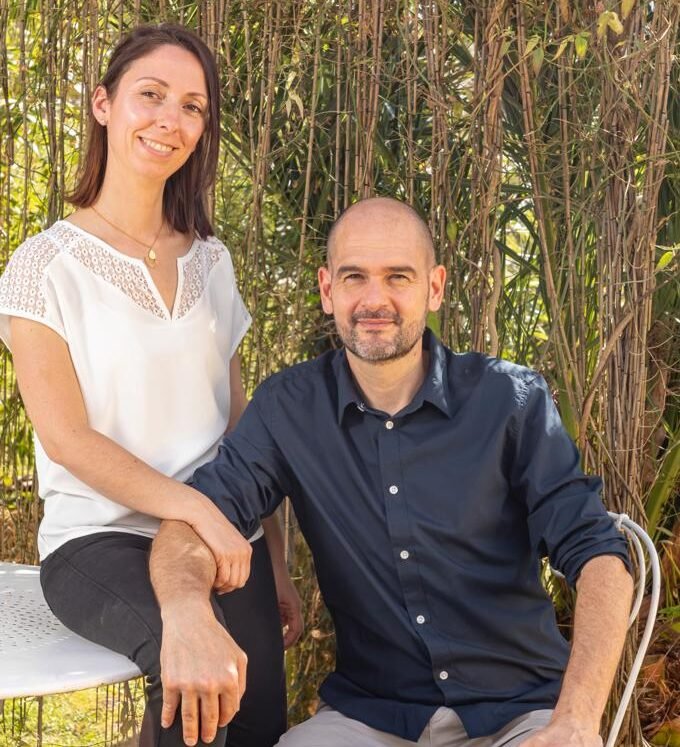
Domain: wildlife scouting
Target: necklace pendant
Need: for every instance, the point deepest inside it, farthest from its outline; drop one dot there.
(151, 258)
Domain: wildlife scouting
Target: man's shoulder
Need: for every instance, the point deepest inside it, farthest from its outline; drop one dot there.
(301, 379)
(493, 374)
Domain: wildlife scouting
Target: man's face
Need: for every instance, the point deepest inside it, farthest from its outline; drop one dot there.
(381, 282)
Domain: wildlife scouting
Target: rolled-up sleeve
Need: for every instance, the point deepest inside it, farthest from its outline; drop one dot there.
(566, 517)
(248, 478)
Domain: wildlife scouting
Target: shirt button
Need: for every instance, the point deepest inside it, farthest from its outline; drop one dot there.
(443, 675)
(394, 489)
(404, 554)
(420, 620)
(389, 425)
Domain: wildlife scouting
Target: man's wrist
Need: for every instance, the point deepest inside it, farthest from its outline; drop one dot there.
(583, 720)
(189, 606)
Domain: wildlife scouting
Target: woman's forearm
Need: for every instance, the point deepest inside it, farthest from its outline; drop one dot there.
(123, 478)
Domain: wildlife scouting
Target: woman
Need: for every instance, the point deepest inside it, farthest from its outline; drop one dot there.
(123, 321)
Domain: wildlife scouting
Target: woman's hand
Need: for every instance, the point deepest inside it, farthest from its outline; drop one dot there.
(290, 607)
(231, 550)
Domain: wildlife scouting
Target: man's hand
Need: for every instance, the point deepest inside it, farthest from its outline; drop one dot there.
(202, 670)
(290, 608)
(564, 734)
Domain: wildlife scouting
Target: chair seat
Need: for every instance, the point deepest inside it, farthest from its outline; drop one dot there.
(38, 655)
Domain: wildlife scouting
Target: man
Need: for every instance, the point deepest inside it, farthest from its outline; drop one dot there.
(428, 485)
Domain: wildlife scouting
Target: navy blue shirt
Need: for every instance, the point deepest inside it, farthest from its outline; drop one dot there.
(427, 529)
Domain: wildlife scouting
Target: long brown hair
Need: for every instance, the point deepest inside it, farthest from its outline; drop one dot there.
(184, 196)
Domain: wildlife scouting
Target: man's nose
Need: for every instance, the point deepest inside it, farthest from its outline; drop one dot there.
(373, 296)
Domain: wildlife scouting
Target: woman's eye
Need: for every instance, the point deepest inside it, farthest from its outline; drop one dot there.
(149, 94)
(194, 109)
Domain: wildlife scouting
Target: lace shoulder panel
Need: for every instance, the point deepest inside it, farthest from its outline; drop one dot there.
(22, 283)
(123, 273)
(206, 254)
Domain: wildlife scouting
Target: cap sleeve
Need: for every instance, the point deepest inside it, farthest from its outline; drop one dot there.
(239, 314)
(26, 290)
(240, 320)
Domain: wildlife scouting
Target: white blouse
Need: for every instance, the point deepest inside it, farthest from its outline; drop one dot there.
(155, 382)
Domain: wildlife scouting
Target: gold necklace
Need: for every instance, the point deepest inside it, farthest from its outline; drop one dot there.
(150, 258)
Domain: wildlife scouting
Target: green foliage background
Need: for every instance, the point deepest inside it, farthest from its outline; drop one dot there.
(539, 140)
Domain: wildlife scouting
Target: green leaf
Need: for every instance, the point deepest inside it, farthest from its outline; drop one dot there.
(532, 43)
(433, 323)
(537, 59)
(664, 260)
(581, 44)
(664, 485)
(452, 231)
(667, 736)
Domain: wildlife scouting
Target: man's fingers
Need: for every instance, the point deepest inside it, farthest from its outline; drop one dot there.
(226, 710)
(210, 713)
(190, 718)
(170, 703)
(242, 667)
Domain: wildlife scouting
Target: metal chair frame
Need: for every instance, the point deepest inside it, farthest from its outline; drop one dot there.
(638, 537)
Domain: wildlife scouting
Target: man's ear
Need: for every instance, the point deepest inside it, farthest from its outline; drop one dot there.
(437, 287)
(325, 278)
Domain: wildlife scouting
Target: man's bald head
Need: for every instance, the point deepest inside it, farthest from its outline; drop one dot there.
(384, 214)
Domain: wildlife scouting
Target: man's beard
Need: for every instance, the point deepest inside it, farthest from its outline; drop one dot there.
(373, 348)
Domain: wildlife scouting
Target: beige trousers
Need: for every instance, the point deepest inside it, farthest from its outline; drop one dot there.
(328, 728)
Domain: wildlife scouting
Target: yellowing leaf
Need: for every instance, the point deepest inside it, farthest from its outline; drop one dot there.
(562, 47)
(602, 23)
(614, 23)
(564, 10)
(298, 102)
(537, 59)
(664, 260)
(452, 232)
(626, 7)
(669, 734)
(531, 44)
(581, 45)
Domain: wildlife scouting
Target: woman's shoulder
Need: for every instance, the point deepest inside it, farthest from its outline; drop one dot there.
(210, 252)
(36, 252)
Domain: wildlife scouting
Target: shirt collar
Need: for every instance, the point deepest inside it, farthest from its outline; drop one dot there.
(433, 388)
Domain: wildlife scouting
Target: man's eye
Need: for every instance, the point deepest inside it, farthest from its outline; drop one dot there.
(398, 277)
(353, 277)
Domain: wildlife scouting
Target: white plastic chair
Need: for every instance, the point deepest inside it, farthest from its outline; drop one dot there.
(39, 655)
(638, 537)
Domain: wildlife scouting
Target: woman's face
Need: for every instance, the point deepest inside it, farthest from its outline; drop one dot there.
(157, 114)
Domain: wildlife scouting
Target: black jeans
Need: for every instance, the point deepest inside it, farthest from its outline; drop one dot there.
(99, 587)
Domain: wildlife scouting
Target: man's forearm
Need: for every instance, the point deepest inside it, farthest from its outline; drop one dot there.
(603, 600)
(182, 567)
(202, 667)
